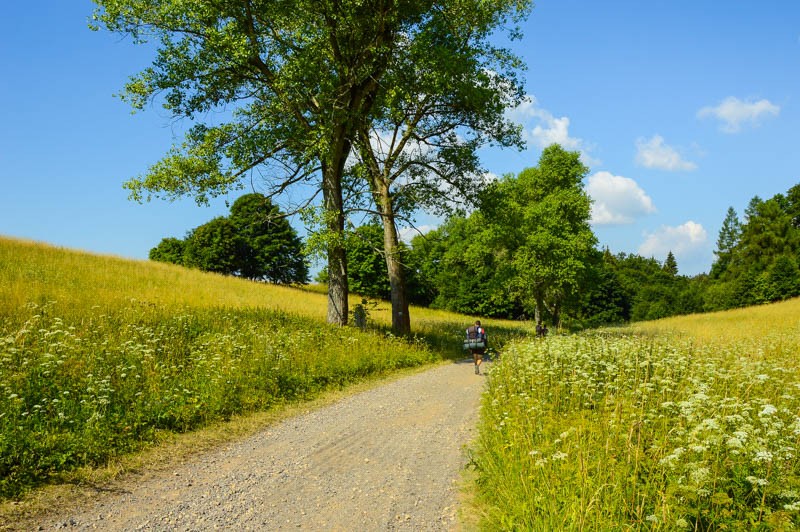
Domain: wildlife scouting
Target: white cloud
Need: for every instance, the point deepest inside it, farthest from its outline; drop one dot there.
(541, 129)
(687, 242)
(555, 131)
(734, 113)
(654, 153)
(406, 234)
(617, 200)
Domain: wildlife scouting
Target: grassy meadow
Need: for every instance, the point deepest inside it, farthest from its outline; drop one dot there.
(101, 356)
(688, 423)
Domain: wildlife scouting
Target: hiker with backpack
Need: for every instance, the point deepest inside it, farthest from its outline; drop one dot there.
(476, 343)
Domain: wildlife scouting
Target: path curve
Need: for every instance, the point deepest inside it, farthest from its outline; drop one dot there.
(385, 459)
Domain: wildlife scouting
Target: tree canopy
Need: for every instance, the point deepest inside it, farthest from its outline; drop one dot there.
(441, 99)
(256, 242)
(296, 79)
(270, 250)
(542, 220)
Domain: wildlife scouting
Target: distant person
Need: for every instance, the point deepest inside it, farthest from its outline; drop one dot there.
(476, 343)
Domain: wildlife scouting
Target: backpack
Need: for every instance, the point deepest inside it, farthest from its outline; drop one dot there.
(476, 338)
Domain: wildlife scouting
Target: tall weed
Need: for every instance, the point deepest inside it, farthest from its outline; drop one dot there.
(618, 431)
(77, 393)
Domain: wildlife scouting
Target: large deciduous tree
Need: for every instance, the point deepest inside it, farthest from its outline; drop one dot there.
(294, 77)
(170, 250)
(213, 247)
(256, 242)
(443, 97)
(542, 216)
(271, 250)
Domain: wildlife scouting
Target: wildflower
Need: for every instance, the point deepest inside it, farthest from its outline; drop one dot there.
(768, 410)
(763, 456)
(793, 507)
(699, 475)
(734, 443)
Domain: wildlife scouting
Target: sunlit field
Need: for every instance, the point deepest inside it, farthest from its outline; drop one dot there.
(689, 423)
(101, 356)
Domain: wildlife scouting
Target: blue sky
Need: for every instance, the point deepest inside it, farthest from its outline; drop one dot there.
(680, 109)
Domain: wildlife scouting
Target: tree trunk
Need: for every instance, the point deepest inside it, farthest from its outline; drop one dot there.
(557, 314)
(338, 289)
(401, 320)
(538, 311)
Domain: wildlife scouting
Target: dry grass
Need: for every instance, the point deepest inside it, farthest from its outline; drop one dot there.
(75, 280)
(732, 325)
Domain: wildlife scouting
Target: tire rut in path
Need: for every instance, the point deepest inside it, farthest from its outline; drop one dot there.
(385, 459)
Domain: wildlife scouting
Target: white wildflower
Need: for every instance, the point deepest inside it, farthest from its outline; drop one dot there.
(734, 443)
(699, 475)
(793, 507)
(768, 410)
(755, 481)
(763, 456)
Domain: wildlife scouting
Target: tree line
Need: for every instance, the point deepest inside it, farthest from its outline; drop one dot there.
(526, 252)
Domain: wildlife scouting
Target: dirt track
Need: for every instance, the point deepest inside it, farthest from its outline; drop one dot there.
(386, 459)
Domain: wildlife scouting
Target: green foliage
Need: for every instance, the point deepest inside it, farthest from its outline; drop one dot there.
(366, 266)
(727, 241)
(214, 246)
(783, 279)
(670, 266)
(465, 269)
(603, 300)
(768, 234)
(543, 217)
(168, 250)
(527, 249)
(440, 101)
(256, 242)
(757, 260)
(271, 249)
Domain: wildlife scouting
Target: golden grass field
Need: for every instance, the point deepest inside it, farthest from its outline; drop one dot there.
(75, 281)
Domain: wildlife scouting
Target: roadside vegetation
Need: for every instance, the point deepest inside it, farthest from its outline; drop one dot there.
(101, 356)
(688, 423)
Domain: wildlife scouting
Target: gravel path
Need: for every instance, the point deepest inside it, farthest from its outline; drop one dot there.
(385, 459)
